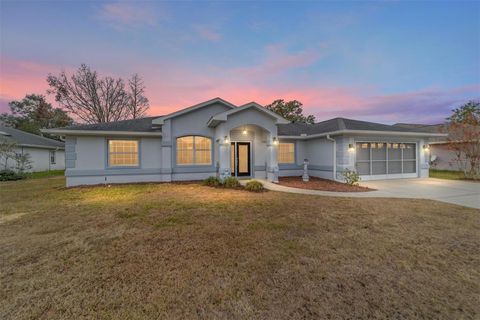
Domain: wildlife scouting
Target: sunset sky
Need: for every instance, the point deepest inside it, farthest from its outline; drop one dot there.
(377, 61)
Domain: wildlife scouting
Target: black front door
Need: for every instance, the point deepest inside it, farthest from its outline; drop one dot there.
(240, 159)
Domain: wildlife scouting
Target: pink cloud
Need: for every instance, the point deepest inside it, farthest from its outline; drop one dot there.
(18, 78)
(172, 86)
(277, 59)
(119, 14)
(208, 33)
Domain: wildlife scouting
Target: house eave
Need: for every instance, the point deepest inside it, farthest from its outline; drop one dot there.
(367, 132)
(66, 132)
(26, 145)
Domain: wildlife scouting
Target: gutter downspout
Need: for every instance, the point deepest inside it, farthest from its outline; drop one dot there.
(334, 156)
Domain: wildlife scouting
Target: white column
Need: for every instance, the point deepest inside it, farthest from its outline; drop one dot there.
(167, 165)
(424, 157)
(272, 163)
(224, 158)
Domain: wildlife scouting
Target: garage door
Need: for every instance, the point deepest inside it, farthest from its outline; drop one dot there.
(382, 160)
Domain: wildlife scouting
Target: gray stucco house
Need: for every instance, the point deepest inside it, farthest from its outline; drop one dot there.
(45, 154)
(218, 138)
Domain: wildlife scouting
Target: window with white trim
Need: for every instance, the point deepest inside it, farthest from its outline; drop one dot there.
(194, 150)
(286, 152)
(53, 157)
(123, 153)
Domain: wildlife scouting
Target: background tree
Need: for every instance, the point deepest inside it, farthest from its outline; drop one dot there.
(90, 98)
(23, 162)
(138, 103)
(464, 137)
(33, 113)
(7, 151)
(291, 110)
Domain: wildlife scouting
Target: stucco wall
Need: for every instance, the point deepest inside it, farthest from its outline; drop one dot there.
(445, 158)
(40, 159)
(87, 161)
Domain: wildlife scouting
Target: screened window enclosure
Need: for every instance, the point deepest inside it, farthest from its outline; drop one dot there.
(382, 158)
(194, 150)
(123, 153)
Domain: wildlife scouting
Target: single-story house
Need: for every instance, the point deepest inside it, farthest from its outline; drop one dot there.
(45, 154)
(217, 138)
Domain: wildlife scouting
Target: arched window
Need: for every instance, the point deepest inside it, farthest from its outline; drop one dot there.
(194, 150)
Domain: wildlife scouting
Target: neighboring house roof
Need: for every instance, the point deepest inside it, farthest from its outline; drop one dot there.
(343, 125)
(25, 139)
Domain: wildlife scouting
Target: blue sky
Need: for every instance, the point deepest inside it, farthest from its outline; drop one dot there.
(377, 61)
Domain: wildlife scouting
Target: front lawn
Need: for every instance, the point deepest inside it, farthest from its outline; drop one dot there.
(186, 251)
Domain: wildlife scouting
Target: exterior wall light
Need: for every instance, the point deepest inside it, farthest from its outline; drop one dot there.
(275, 140)
(351, 147)
(244, 131)
(426, 147)
(225, 139)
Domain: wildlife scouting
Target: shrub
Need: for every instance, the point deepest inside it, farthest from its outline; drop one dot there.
(212, 182)
(351, 177)
(231, 182)
(9, 175)
(254, 186)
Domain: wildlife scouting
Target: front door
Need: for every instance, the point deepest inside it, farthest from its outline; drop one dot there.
(240, 159)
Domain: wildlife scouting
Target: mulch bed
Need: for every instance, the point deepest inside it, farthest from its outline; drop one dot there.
(320, 184)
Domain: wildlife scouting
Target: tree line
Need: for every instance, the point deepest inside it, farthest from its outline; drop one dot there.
(83, 97)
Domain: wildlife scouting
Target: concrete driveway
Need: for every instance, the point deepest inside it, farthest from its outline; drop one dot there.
(463, 193)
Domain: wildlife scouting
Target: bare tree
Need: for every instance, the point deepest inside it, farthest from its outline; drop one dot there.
(90, 98)
(138, 103)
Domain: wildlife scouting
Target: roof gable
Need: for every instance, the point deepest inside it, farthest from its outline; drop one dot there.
(221, 117)
(160, 120)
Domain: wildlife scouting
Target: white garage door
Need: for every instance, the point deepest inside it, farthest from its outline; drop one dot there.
(386, 160)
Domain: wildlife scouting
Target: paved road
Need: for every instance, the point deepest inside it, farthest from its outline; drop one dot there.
(452, 191)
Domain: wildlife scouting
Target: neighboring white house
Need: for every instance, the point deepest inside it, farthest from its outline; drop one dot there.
(45, 154)
(442, 157)
(218, 138)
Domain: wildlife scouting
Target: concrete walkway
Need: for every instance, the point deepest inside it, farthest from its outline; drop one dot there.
(463, 193)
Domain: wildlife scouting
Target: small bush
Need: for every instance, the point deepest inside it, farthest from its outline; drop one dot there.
(9, 175)
(254, 186)
(351, 177)
(212, 182)
(231, 182)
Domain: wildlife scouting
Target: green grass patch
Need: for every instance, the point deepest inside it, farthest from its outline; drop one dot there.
(447, 174)
(45, 174)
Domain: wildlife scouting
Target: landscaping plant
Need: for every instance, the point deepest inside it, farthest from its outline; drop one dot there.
(254, 186)
(212, 181)
(231, 182)
(351, 177)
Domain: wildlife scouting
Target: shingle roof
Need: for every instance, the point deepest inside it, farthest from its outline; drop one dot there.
(23, 138)
(138, 125)
(434, 128)
(336, 124)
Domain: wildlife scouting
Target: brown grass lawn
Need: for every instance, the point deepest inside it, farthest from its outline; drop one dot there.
(165, 251)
